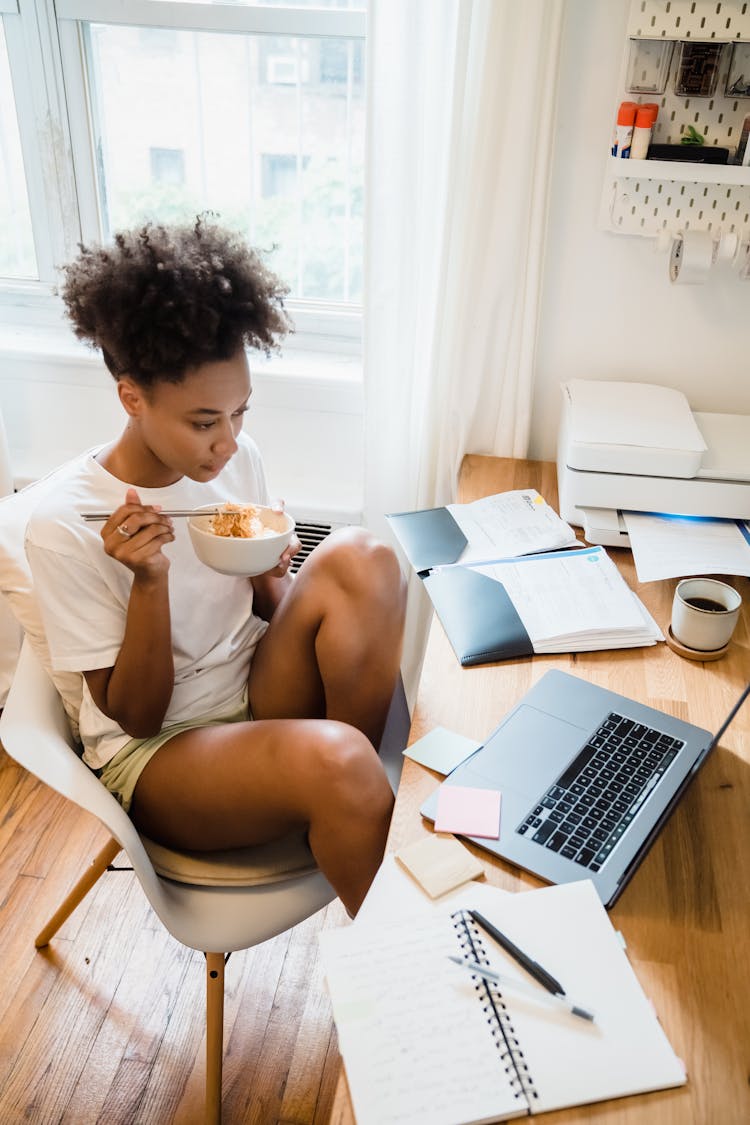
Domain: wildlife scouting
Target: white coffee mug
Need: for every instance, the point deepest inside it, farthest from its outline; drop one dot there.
(704, 613)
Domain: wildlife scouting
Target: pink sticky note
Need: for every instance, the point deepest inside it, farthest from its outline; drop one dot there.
(468, 812)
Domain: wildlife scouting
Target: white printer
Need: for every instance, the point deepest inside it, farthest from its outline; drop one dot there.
(639, 447)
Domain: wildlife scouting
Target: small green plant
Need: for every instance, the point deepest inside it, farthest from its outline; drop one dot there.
(691, 136)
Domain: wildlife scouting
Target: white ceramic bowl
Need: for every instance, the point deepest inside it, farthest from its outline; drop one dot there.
(241, 557)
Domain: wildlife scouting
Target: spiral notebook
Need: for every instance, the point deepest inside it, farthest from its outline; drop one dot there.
(425, 1042)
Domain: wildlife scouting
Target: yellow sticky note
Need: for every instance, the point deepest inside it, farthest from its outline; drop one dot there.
(439, 864)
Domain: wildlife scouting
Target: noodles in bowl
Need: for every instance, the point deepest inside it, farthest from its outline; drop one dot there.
(240, 539)
(241, 521)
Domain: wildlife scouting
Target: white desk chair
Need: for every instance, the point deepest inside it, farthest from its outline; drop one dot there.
(216, 902)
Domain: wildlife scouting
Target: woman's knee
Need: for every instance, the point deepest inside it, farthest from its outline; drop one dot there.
(361, 564)
(348, 771)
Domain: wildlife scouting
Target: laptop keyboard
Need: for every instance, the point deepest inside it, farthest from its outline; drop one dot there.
(585, 812)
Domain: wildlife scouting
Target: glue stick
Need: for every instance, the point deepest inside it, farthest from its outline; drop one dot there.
(645, 116)
(623, 132)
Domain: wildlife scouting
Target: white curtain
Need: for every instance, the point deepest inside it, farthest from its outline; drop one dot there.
(461, 112)
(10, 630)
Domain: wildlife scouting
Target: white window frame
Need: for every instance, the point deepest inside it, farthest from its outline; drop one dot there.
(46, 52)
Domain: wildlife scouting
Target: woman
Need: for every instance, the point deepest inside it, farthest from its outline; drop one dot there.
(222, 712)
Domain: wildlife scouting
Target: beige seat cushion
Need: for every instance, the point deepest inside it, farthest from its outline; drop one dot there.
(282, 859)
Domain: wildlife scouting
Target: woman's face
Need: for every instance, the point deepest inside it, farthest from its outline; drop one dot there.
(189, 428)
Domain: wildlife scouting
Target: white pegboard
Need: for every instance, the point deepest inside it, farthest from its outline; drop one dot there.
(719, 119)
(649, 206)
(646, 197)
(717, 20)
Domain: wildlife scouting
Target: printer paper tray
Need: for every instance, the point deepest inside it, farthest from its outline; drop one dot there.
(723, 499)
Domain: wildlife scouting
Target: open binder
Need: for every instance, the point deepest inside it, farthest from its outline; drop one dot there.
(480, 619)
(506, 608)
(426, 1042)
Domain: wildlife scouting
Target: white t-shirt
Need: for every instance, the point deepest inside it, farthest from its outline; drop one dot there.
(83, 594)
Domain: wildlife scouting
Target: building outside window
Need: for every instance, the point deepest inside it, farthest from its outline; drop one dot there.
(252, 111)
(17, 259)
(167, 165)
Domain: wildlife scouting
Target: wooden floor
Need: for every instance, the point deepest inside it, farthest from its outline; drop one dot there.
(106, 1025)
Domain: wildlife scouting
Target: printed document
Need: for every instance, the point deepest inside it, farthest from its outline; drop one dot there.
(510, 523)
(678, 546)
(574, 601)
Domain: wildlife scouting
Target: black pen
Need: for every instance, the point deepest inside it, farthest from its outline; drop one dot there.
(538, 973)
(533, 967)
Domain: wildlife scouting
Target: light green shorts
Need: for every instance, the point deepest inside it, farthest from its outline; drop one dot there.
(121, 773)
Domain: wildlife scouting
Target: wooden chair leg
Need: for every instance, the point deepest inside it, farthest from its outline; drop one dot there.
(97, 868)
(214, 1035)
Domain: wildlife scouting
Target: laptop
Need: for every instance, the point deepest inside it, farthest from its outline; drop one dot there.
(588, 778)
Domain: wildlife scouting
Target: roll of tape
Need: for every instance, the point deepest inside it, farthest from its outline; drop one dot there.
(727, 247)
(691, 257)
(742, 261)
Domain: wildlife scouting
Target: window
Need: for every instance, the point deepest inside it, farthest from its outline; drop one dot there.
(251, 110)
(167, 165)
(280, 173)
(17, 258)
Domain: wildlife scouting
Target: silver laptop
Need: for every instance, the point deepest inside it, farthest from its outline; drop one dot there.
(588, 778)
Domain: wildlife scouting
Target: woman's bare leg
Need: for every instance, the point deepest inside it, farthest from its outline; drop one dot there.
(333, 647)
(239, 784)
(320, 686)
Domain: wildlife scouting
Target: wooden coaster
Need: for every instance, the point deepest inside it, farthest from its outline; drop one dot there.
(694, 653)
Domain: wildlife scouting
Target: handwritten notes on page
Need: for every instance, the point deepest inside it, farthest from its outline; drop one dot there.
(416, 1047)
(425, 1043)
(509, 524)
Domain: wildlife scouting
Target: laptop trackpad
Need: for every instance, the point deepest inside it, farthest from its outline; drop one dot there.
(526, 754)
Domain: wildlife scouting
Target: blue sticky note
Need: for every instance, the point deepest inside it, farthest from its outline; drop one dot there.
(441, 750)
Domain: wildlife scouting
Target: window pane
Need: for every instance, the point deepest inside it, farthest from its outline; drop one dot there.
(17, 258)
(267, 131)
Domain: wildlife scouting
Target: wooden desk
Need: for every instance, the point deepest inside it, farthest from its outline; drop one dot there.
(686, 913)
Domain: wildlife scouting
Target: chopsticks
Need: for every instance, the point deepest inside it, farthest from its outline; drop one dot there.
(103, 516)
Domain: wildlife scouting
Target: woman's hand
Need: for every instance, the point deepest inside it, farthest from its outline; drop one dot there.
(282, 566)
(135, 535)
(136, 691)
(270, 587)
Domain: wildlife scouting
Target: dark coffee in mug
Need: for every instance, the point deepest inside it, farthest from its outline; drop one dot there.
(706, 603)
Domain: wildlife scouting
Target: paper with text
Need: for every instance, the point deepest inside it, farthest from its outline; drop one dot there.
(678, 546)
(412, 1056)
(418, 1045)
(509, 524)
(574, 601)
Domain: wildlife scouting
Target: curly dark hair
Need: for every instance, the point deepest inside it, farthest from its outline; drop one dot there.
(163, 299)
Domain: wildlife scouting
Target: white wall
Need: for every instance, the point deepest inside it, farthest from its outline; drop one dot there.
(608, 308)
(57, 398)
